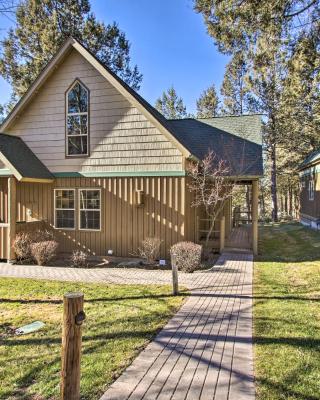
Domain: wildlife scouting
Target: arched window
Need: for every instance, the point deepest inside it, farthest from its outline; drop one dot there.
(77, 120)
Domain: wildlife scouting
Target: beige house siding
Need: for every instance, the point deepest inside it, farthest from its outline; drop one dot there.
(121, 138)
(124, 224)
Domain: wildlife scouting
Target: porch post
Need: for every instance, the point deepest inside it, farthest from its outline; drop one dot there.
(255, 197)
(12, 217)
(222, 233)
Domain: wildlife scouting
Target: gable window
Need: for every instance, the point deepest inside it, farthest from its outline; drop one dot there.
(64, 212)
(77, 120)
(311, 189)
(89, 209)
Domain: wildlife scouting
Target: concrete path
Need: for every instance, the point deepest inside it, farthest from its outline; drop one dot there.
(205, 350)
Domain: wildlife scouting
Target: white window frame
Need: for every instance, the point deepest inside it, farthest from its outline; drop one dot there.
(68, 209)
(74, 115)
(89, 209)
(311, 189)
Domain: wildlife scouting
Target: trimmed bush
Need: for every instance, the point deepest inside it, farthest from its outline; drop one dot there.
(188, 255)
(43, 252)
(79, 259)
(150, 249)
(22, 246)
(41, 236)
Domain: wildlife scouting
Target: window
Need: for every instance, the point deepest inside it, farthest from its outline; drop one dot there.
(77, 120)
(89, 209)
(311, 190)
(64, 201)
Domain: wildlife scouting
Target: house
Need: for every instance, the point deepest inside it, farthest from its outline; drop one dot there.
(309, 172)
(84, 154)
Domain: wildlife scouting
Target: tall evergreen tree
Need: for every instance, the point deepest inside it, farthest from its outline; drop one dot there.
(234, 90)
(41, 28)
(208, 103)
(171, 105)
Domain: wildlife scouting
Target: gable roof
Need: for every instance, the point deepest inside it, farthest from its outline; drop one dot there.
(312, 158)
(236, 143)
(131, 95)
(21, 161)
(236, 138)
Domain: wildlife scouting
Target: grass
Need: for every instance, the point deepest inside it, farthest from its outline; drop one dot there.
(287, 313)
(121, 319)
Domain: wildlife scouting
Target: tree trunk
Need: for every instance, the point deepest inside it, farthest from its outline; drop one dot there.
(274, 194)
(290, 202)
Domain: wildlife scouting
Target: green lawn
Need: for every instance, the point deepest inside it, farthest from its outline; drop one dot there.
(121, 319)
(287, 313)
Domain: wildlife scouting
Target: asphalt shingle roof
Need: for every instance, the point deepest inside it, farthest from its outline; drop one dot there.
(22, 158)
(237, 140)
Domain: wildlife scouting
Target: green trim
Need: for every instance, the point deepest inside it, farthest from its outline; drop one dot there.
(310, 171)
(5, 172)
(117, 174)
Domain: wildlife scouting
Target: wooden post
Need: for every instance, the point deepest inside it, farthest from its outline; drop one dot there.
(255, 198)
(222, 232)
(175, 285)
(73, 316)
(12, 216)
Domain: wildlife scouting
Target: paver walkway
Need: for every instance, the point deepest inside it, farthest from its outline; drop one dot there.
(205, 350)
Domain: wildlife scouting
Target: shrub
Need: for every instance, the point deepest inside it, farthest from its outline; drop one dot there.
(150, 249)
(43, 252)
(41, 236)
(22, 246)
(188, 255)
(79, 259)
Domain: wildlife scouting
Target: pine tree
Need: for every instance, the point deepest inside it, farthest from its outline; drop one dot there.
(170, 105)
(234, 90)
(42, 27)
(208, 103)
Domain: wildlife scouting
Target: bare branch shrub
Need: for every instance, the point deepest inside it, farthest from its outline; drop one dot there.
(188, 255)
(150, 249)
(79, 259)
(22, 246)
(211, 186)
(43, 252)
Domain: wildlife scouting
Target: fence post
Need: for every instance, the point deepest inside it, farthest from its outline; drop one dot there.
(222, 233)
(175, 286)
(73, 316)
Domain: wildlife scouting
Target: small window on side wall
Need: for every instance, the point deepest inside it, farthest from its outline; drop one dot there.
(90, 209)
(77, 120)
(64, 208)
(311, 190)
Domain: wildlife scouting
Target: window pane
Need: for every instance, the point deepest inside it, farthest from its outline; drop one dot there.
(77, 145)
(64, 198)
(77, 99)
(90, 199)
(64, 218)
(77, 125)
(89, 219)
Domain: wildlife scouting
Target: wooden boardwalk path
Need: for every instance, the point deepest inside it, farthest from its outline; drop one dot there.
(205, 351)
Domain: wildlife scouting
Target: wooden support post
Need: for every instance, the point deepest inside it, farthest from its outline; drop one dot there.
(222, 232)
(73, 316)
(12, 216)
(255, 199)
(175, 284)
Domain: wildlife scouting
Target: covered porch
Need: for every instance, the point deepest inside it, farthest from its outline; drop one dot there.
(236, 228)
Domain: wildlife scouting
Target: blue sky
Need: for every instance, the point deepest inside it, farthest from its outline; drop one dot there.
(169, 44)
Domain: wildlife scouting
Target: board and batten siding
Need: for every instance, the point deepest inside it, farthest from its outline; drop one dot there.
(124, 224)
(3, 218)
(121, 137)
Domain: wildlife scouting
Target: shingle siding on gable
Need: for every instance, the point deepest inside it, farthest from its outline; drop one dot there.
(121, 138)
